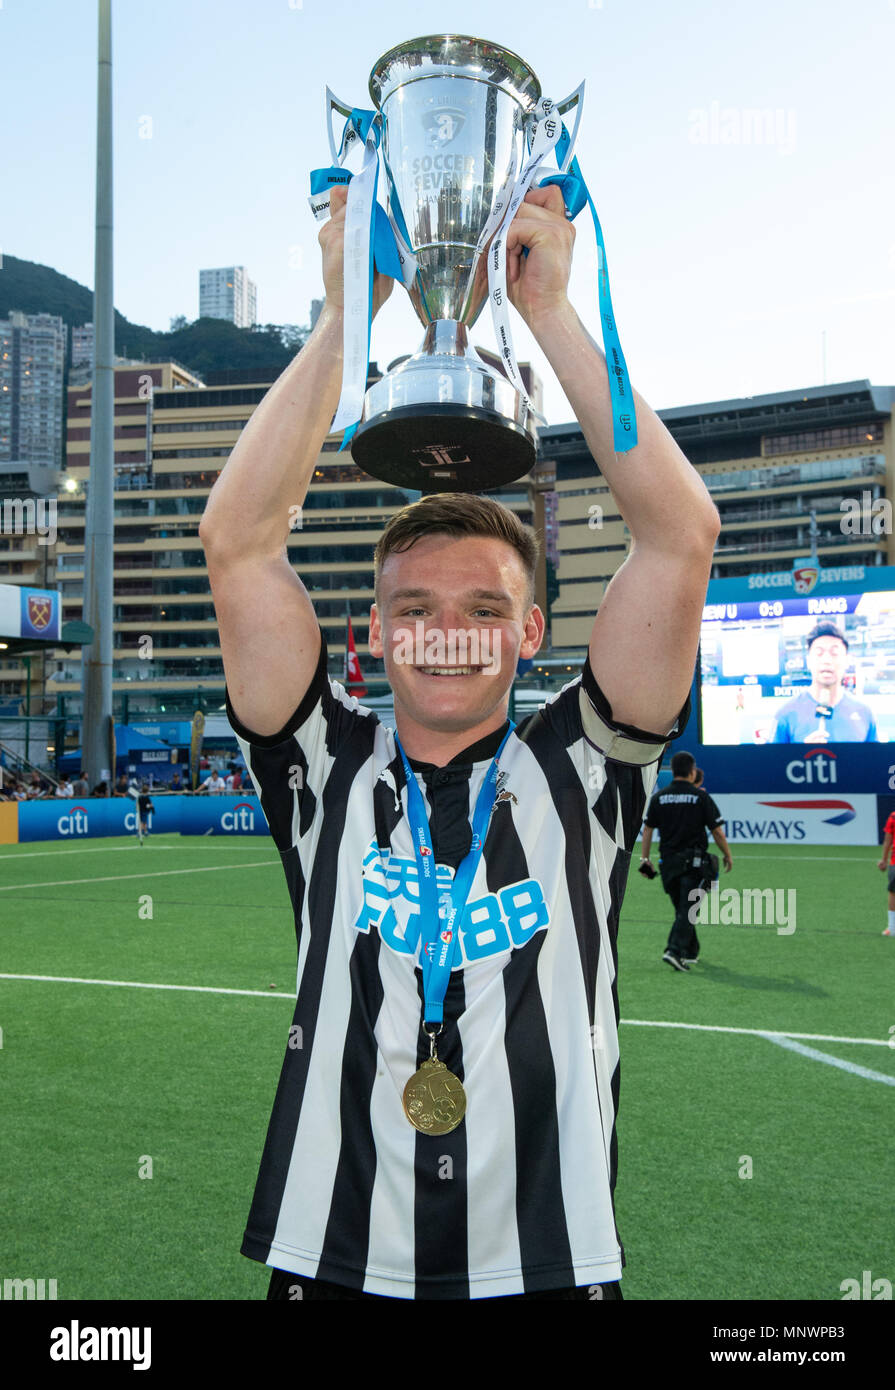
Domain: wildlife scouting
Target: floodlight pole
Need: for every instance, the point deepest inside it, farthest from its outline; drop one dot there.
(99, 531)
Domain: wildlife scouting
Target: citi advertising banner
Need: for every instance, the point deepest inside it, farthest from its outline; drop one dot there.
(825, 818)
(775, 818)
(98, 816)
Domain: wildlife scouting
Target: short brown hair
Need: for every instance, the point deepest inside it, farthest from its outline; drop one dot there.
(457, 514)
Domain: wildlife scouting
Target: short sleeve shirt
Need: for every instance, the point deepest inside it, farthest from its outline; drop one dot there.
(348, 1190)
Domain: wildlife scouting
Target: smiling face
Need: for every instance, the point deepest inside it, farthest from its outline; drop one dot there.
(453, 618)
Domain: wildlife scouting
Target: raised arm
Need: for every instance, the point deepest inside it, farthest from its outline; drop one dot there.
(645, 636)
(268, 628)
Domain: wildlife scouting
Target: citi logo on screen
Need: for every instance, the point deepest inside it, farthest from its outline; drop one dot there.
(819, 767)
(239, 819)
(844, 810)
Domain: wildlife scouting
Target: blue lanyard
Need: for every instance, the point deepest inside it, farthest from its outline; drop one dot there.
(439, 933)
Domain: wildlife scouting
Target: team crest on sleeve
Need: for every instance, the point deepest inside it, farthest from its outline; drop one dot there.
(492, 925)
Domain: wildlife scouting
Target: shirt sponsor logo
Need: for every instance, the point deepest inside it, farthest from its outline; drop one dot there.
(493, 925)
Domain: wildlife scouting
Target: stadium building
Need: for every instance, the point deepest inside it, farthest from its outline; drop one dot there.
(768, 461)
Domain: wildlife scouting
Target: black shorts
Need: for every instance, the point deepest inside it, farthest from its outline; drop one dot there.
(892, 878)
(298, 1288)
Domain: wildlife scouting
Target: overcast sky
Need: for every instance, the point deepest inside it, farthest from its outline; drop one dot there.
(730, 257)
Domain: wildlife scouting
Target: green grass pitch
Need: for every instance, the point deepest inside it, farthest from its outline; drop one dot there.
(97, 1079)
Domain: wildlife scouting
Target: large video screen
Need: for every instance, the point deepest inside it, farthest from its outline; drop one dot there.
(799, 670)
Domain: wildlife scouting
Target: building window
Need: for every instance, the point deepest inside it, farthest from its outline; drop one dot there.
(836, 437)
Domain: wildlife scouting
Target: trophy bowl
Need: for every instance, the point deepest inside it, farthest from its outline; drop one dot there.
(456, 112)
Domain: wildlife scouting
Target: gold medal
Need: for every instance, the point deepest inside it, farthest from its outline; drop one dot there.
(434, 1098)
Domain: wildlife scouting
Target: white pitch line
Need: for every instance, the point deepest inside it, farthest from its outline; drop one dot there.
(753, 1032)
(134, 984)
(120, 878)
(783, 1041)
(224, 842)
(267, 994)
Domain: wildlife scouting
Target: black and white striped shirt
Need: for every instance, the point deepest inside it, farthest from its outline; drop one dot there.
(519, 1198)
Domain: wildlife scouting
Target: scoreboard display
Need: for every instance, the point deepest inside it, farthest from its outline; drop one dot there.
(784, 667)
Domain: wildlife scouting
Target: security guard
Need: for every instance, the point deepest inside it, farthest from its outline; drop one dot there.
(682, 812)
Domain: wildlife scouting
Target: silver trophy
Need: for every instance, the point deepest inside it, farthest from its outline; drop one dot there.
(456, 113)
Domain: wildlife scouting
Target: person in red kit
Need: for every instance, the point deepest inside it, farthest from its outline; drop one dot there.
(887, 861)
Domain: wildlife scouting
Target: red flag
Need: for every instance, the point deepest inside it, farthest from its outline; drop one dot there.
(355, 678)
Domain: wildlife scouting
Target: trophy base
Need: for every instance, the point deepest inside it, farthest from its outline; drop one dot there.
(443, 448)
(444, 421)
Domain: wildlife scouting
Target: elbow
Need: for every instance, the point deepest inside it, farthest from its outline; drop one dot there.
(709, 525)
(210, 537)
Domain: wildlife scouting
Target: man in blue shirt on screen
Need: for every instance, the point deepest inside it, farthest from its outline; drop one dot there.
(824, 713)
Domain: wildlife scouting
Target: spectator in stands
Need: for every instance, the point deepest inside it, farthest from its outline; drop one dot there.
(121, 785)
(65, 787)
(21, 792)
(214, 785)
(176, 784)
(37, 787)
(81, 786)
(233, 780)
(101, 789)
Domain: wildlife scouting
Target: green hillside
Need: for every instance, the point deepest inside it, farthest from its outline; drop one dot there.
(203, 346)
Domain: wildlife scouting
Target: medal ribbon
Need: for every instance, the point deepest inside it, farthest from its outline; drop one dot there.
(439, 936)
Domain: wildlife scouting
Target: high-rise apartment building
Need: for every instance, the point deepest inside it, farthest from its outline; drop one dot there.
(228, 293)
(32, 365)
(82, 343)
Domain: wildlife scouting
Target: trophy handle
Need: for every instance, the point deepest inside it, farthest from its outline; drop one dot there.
(576, 99)
(333, 104)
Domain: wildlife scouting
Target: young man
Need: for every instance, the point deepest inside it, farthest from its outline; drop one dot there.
(824, 713)
(682, 812)
(513, 1196)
